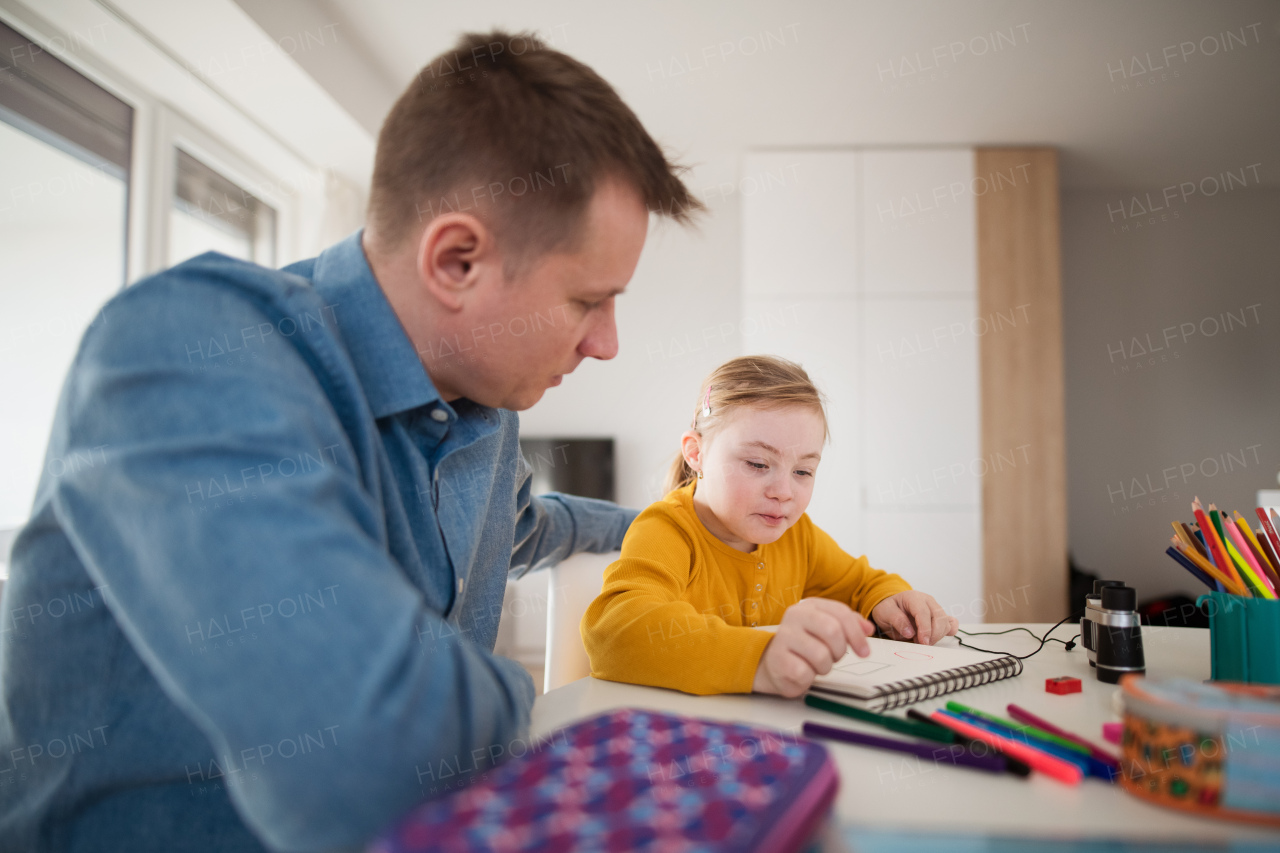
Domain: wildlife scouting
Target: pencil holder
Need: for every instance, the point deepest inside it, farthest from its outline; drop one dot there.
(1244, 637)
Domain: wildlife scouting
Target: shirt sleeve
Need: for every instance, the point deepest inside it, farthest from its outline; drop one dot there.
(552, 527)
(837, 575)
(176, 562)
(640, 630)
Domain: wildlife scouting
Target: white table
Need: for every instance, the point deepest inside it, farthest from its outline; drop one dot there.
(887, 791)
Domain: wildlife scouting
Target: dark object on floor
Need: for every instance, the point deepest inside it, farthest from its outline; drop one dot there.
(1173, 611)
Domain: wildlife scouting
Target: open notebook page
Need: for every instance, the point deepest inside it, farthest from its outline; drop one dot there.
(893, 660)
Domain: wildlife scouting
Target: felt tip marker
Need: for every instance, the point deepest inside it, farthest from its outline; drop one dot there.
(1054, 768)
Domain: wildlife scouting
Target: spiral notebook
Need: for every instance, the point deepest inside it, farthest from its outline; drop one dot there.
(897, 673)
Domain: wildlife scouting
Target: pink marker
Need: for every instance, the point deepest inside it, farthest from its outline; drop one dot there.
(1022, 715)
(1050, 765)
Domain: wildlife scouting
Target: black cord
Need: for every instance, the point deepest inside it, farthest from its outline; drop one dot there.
(1070, 644)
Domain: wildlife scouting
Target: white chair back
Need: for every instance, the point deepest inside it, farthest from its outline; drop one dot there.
(573, 585)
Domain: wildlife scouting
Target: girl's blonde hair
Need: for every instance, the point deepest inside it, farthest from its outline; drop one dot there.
(760, 381)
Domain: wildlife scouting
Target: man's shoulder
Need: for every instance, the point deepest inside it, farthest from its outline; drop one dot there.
(214, 279)
(210, 305)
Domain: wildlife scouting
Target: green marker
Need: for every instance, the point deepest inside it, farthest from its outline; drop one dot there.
(1029, 731)
(929, 731)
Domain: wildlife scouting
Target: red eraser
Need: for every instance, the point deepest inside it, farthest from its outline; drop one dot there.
(1062, 685)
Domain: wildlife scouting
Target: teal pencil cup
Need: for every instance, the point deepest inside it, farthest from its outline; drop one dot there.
(1244, 637)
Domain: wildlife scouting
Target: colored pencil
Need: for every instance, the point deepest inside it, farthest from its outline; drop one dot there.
(1246, 577)
(1212, 543)
(1237, 562)
(1256, 576)
(1189, 536)
(1208, 557)
(1270, 530)
(1266, 546)
(1243, 524)
(1190, 566)
(953, 754)
(1179, 530)
(1232, 585)
(1022, 715)
(1047, 764)
(1255, 545)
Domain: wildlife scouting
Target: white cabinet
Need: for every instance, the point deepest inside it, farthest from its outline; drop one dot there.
(871, 255)
(918, 222)
(800, 224)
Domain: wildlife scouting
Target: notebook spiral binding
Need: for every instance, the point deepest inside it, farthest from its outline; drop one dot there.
(911, 690)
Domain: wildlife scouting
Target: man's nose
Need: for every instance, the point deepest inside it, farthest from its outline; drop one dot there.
(601, 340)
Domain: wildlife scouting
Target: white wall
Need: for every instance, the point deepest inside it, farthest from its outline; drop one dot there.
(1153, 422)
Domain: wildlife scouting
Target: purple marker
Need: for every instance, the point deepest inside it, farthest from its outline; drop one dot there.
(949, 754)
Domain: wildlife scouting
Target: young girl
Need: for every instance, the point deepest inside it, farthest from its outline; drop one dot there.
(730, 549)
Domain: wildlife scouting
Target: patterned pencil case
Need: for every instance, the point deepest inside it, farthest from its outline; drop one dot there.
(635, 780)
(1212, 749)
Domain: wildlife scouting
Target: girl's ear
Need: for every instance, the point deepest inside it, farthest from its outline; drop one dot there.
(691, 449)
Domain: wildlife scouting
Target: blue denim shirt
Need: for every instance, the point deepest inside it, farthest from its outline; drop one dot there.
(257, 599)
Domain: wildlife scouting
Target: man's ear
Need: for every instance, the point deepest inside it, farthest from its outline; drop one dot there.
(691, 449)
(456, 251)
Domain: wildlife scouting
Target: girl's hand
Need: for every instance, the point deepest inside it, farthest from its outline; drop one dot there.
(914, 615)
(813, 635)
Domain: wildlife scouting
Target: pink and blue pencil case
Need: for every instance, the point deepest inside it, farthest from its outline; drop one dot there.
(636, 780)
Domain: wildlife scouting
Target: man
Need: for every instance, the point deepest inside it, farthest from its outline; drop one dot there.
(259, 609)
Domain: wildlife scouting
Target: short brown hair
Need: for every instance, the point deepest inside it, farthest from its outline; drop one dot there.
(502, 119)
(760, 381)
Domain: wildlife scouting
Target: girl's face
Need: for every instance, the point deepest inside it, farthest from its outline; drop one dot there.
(758, 468)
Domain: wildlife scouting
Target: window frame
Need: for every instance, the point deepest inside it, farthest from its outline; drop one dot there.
(176, 131)
(159, 128)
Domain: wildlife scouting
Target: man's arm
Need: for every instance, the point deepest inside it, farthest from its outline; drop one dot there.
(552, 527)
(228, 494)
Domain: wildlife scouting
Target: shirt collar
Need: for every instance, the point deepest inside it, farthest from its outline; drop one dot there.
(390, 371)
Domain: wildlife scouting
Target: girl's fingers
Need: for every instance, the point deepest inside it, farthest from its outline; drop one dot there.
(812, 651)
(852, 625)
(828, 630)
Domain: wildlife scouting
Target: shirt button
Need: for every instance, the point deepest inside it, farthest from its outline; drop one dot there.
(759, 587)
(759, 565)
(753, 624)
(439, 415)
